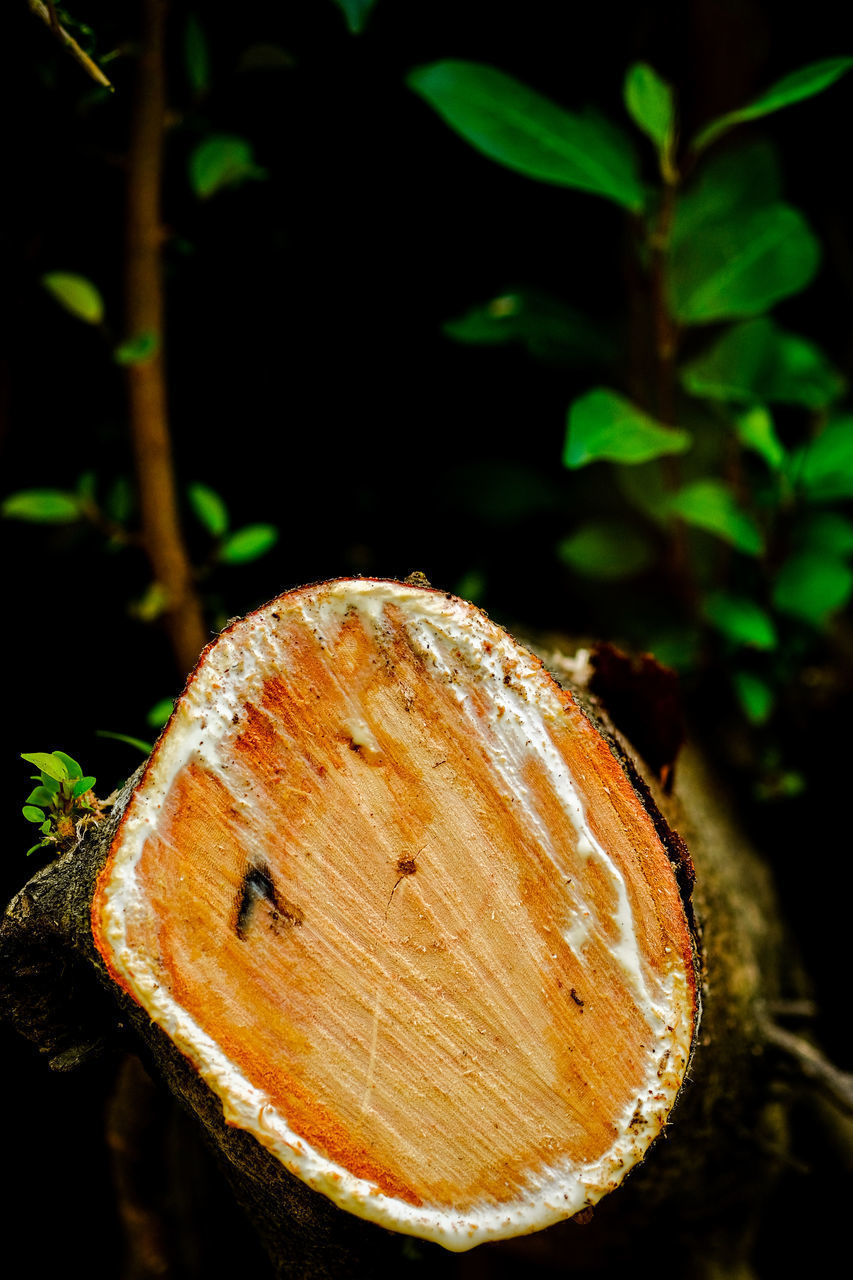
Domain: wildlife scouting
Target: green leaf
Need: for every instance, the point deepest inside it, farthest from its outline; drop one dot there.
(471, 586)
(196, 56)
(137, 350)
(517, 127)
(42, 506)
(726, 187)
(356, 13)
(756, 431)
(741, 265)
(76, 294)
(754, 695)
(209, 509)
(758, 361)
(795, 87)
(710, 505)
(50, 785)
(606, 550)
(604, 425)
(120, 500)
(248, 543)
(740, 620)
(159, 713)
(222, 161)
(551, 330)
(826, 531)
(74, 769)
(49, 764)
(823, 469)
(32, 849)
(32, 814)
(86, 488)
(82, 785)
(811, 586)
(650, 104)
(138, 743)
(152, 604)
(40, 796)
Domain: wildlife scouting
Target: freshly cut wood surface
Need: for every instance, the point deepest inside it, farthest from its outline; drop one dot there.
(389, 889)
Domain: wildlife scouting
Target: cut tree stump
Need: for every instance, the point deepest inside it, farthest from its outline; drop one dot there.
(391, 902)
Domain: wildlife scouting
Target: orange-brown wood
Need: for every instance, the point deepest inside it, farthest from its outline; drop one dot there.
(417, 964)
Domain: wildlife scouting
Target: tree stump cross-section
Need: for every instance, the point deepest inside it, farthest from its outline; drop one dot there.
(389, 889)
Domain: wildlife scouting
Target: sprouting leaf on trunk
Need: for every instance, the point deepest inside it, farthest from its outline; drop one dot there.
(603, 425)
(711, 505)
(75, 770)
(812, 586)
(740, 619)
(525, 131)
(756, 361)
(222, 161)
(607, 550)
(49, 763)
(799, 85)
(550, 329)
(756, 430)
(741, 265)
(42, 506)
(356, 13)
(76, 294)
(651, 105)
(823, 469)
(40, 796)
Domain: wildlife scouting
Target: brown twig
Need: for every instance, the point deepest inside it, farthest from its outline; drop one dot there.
(47, 13)
(146, 382)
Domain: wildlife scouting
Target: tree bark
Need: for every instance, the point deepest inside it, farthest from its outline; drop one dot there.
(70, 943)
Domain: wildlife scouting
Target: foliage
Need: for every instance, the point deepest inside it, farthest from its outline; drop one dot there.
(63, 804)
(76, 294)
(719, 247)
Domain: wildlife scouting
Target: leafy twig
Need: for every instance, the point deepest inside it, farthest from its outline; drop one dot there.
(47, 13)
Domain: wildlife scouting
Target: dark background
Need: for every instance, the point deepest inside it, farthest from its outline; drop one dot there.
(311, 384)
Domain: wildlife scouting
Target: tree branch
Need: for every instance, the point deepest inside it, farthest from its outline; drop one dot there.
(47, 13)
(836, 1085)
(146, 383)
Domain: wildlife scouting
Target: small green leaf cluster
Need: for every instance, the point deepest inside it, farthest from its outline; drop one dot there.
(62, 803)
(697, 454)
(239, 546)
(110, 514)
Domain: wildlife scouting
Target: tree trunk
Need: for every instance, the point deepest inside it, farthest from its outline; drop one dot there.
(397, 916)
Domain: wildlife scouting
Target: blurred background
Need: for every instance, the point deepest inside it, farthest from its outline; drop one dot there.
(375, 339)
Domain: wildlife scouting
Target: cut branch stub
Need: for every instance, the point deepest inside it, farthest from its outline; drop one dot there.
(391, 892)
